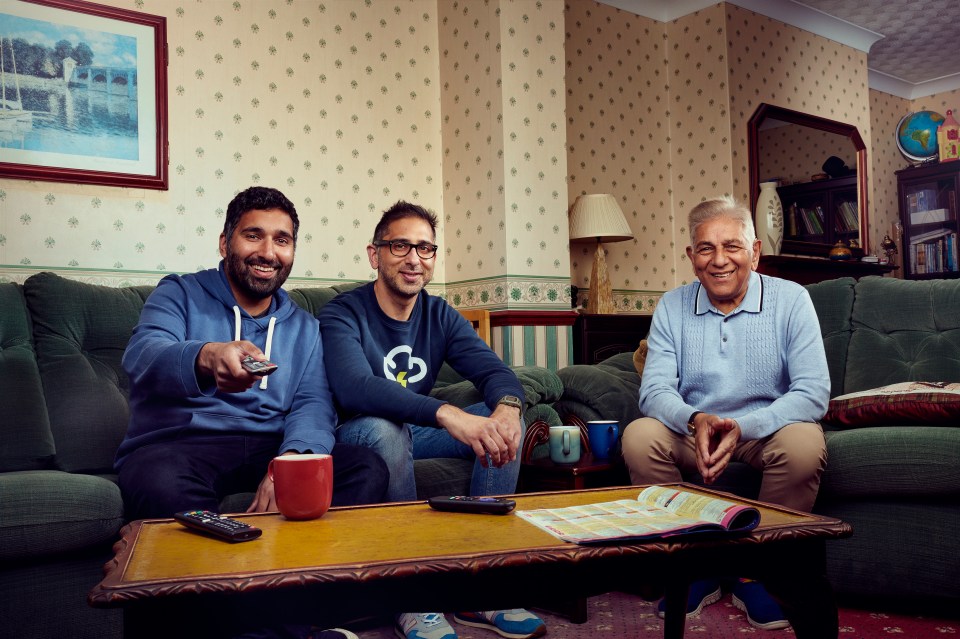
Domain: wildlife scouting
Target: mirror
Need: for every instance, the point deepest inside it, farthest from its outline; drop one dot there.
(774, 131)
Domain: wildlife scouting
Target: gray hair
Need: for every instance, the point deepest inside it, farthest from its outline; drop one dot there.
(722, 206)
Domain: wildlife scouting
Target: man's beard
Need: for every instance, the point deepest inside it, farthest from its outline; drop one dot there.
(239, 271)
(398, 286)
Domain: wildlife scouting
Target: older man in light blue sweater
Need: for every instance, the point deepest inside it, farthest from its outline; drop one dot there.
(735, 371)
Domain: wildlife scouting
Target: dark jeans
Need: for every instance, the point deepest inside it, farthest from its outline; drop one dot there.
(197, 471)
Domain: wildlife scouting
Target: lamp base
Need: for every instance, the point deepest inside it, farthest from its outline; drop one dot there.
(600, 298)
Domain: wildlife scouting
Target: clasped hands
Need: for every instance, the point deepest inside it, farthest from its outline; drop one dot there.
(715, 440)
(497, 435)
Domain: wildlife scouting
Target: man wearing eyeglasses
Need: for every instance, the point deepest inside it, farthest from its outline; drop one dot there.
(384, 344)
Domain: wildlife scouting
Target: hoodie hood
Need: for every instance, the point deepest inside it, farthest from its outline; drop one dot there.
(245, 326)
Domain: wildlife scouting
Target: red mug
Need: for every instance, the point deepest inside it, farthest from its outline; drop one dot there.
(303, 484)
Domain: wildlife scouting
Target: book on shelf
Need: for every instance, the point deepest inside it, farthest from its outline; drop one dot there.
(930, 216)
(921, 200)
(850, 216)
(922, 238)
(935, 255)
(658, 512)
(792, 228)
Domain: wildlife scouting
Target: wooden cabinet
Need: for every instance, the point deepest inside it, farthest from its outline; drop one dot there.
(928, 213)
(810, 270)
(821, 212)
(597, 337)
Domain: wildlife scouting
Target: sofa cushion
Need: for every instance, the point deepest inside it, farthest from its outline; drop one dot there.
(903, 331)
(890, 461)
(26, 442)
(833, 302)
(49, 511)
(313, 299)
(921, 403)
(608, 390)
(80, 332)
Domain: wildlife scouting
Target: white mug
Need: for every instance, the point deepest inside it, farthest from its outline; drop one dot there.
(565, 444)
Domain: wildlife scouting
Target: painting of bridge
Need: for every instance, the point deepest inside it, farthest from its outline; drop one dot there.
(70, 84)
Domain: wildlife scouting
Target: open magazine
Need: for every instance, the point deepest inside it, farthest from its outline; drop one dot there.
(657, 513)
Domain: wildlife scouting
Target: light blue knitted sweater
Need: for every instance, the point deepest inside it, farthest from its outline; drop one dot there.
(763, 364)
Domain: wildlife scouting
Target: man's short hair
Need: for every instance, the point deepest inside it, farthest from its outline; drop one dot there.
(402, 210)
(723, 206)
(258, 198)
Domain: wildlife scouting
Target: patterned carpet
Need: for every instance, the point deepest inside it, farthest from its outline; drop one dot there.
(624, 616)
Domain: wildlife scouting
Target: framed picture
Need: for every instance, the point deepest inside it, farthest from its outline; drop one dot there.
(83, 94)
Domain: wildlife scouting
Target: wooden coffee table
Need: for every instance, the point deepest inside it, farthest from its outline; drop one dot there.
(354, 562)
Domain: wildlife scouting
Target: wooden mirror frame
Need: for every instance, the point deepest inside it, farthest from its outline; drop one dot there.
(765, 111)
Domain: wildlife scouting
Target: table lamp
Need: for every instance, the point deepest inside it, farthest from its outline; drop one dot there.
(599, 218)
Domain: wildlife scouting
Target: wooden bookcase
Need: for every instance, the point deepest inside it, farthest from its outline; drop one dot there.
(928, 213)
(821, 212)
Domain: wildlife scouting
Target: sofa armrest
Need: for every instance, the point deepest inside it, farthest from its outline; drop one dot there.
(608, 390)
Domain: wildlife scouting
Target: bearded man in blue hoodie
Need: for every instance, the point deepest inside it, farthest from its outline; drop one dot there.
(201, 426)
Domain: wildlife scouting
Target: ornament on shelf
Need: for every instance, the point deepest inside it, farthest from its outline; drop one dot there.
(769, 219)
(948, 138)
(840, 251)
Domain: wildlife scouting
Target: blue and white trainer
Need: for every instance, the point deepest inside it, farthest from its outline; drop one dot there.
(512, 624)
(702, 593)
(424, 625)
(761, 610)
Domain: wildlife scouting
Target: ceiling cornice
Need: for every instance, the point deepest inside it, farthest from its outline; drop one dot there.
(787, 11)
(802, 17)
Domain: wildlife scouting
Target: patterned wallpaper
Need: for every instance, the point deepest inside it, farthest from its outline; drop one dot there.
(481, 111)
(674, 99)
(342, 105)
(618, 143)
(794, 154)
(504, 164)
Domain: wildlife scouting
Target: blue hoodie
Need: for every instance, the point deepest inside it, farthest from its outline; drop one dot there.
(166, 399)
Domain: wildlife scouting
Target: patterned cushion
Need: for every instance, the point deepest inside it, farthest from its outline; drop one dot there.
(922, 403)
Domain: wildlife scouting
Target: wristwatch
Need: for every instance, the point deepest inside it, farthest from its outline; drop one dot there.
(691, 426)
(511, 400)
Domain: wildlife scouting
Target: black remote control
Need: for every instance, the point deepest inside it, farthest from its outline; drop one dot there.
(255, 367)
(484, 505)
(218, 525)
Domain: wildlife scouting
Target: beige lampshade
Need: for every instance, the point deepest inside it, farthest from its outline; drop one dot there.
(598, 218)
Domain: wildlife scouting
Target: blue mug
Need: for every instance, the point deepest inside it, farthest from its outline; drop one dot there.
(602, 435)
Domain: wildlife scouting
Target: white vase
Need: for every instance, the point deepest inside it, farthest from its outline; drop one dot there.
(769, 219)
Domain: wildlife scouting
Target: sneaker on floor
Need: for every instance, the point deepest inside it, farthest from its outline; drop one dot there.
(761, 610)
(702, 593)
(513, 624)
(423, 625)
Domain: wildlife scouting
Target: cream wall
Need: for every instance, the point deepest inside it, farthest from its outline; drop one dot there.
(679, 95)
(617, 137)
(482, 111)
(504, 163)
(345, 106)
(794, 154)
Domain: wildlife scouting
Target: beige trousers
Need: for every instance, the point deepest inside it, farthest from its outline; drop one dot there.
(791, 460)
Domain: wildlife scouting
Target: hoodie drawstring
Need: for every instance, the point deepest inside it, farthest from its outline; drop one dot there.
(266, 350)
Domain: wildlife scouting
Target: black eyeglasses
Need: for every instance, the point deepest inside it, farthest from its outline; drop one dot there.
(402, 248)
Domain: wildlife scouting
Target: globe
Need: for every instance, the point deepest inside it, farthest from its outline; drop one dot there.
(917, 135)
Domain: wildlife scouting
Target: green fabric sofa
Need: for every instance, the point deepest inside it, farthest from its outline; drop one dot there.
(63, 413)
(898, 485)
